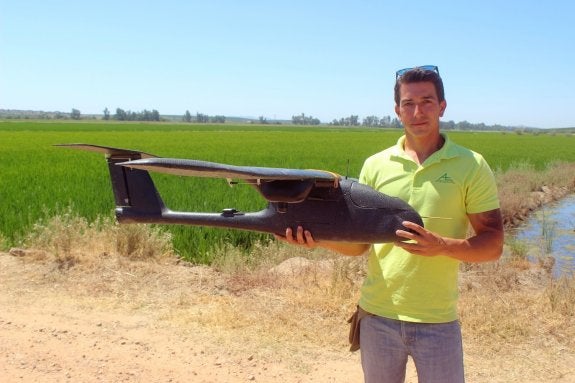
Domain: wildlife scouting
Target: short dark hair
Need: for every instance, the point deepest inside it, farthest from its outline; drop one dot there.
(420, 75)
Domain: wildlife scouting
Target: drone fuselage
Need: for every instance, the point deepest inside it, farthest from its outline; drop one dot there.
(352, 212)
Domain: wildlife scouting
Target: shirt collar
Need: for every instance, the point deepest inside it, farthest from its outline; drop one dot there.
(447, 151)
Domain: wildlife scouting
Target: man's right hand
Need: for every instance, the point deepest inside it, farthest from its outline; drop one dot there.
(302, 237)
(305, 238)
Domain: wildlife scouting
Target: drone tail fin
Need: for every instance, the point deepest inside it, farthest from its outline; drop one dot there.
(134, 189)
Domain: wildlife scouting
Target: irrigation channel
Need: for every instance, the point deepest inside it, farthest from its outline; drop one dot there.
(551, 232)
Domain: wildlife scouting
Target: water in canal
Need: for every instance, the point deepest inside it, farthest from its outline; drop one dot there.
(551, 231)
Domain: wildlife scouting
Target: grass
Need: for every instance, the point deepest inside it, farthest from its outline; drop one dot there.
(518, 249)
(523, 188)
(71, 238)
(40, 180)
(548, 233)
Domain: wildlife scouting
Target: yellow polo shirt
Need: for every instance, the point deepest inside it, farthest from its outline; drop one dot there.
(451, 183)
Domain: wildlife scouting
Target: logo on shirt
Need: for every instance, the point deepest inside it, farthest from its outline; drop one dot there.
(445, 179)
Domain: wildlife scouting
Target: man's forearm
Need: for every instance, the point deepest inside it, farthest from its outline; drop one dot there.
(304, 237)
(345, 248)
(484, 247)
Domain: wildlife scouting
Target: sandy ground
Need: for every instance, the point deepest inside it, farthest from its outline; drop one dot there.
(47, 342)
(52, 330)
(118, 324)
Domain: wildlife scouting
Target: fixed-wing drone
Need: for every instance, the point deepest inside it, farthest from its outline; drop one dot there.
(331, 207)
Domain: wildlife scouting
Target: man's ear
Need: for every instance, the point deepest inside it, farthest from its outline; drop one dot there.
(397, 111)
(442, 106)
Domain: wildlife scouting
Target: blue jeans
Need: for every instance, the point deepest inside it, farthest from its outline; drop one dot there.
(436, 350)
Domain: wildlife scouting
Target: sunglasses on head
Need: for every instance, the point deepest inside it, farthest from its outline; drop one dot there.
(401, 72)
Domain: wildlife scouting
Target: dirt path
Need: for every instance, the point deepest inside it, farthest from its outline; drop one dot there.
(52, 331)
(150, 322)
(47, 343)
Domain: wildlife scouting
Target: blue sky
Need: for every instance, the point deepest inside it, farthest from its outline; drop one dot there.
(502, 62)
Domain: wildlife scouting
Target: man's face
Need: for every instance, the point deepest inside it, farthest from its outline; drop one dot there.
(419, 108)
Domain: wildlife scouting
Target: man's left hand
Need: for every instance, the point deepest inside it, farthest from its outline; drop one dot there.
(425, 242)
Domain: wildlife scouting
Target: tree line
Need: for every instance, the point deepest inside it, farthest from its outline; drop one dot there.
(299, 119)
(369, 121)
(302, 119)
(203, 118)
(122, 115)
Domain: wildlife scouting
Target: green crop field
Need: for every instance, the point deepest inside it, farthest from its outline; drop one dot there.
(39, 180)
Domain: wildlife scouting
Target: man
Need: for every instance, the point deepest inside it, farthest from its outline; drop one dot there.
(409, 297)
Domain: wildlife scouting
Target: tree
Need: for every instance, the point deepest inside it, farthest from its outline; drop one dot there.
(219, 119)
(75, 115)
(106, 114)
(371, 121)
(464, 125)
(187, 117)
(354, 120)
(120, 115)
(447, 125)
(203, 118)
(305, 120)
(385, 121)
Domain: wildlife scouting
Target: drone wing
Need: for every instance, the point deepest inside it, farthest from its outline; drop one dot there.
(274, 184)
(182, 167)
(109, 151)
